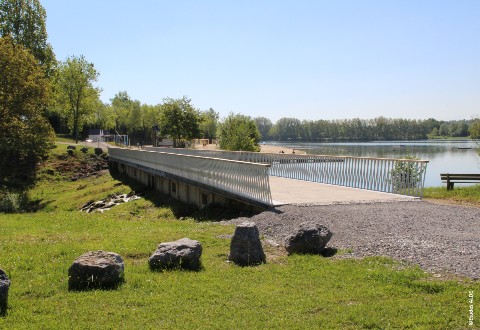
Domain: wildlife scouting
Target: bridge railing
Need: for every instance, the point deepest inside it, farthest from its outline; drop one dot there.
(243, 179)
(399, 176)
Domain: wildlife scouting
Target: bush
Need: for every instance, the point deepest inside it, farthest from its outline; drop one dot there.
(98, 151)
(12, 202)
(406, 176)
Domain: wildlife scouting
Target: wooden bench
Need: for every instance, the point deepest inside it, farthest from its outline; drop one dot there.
(451, 179)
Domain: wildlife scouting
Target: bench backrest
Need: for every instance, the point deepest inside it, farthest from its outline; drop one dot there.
(448, 176)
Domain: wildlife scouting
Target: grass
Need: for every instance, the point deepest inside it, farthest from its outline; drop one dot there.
(466, 195)
(295, 292)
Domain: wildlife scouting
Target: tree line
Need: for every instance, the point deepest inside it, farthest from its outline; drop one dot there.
(380, 128)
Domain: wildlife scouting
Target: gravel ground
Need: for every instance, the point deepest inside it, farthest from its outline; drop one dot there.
(439, 238)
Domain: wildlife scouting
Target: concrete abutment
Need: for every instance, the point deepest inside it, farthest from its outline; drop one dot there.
(186, 192)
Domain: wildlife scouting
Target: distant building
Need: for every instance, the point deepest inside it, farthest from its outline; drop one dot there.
(96, 134)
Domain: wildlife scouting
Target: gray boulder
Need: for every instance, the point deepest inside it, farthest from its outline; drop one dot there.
(245, 246)
(4, 285)
(309, 238)
(184, 253)
(96, 269)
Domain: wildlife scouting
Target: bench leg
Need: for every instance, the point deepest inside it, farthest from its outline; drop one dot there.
(450, 185)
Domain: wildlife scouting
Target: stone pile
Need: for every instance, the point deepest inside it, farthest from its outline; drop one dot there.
(245, 246)
(183, 253)
(96, 270)
(109, 202)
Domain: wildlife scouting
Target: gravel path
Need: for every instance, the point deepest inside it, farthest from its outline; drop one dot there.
(439, 238)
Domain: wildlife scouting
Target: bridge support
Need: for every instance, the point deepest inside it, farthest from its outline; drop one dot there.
(178, 188)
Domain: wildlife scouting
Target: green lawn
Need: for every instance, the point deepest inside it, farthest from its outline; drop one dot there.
(468, 195)
(296, 292)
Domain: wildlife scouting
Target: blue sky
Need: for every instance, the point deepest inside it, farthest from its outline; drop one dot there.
(303, 59)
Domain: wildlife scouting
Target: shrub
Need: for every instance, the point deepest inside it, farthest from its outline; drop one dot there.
(11, 202)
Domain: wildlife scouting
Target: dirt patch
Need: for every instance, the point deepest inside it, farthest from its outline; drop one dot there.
(75, 167)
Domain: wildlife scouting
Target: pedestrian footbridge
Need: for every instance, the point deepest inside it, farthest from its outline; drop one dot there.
(202, 177)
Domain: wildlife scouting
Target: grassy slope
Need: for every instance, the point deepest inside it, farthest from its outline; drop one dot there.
(288, 292)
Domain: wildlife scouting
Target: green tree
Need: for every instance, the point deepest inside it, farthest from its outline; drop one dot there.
(24, 21)
(209, 123)
(121, 106)
(238, 132)
(474, 129)
(76, 95)
(103, 116)
(264, 126)
(25, 135)
(287, 129)
(179, 120)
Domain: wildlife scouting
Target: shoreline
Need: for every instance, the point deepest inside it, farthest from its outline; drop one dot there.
(264, 148)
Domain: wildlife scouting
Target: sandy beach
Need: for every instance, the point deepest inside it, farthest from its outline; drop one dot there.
(266, 148)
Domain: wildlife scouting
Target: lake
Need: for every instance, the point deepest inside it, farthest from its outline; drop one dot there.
(444, 156)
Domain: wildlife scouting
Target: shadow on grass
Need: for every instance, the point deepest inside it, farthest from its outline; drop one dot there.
(92, 286)
(329, 252)
(213, 212)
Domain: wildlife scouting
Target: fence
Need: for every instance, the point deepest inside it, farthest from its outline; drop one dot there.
(399, 176)
(243, 179)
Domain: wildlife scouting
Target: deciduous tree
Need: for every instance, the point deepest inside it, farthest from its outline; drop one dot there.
(24, 21)
(179, 119)
(238, 132)
(25, 135)
(76, 95)
(209, 123)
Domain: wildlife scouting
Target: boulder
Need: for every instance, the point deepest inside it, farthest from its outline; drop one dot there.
(310, 237)
(4, 285)
(245, 246)
(183, 253)
(96, 269)
(71, 147)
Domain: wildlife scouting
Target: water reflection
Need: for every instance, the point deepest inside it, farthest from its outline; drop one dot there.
(444, 156)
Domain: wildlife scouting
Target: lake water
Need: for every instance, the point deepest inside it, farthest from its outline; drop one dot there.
(444, 156)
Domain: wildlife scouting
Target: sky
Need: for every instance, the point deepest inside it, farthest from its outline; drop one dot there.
(310, 60)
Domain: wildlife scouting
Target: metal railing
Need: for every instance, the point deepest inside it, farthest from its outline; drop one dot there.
(243, 179)
(399, 176)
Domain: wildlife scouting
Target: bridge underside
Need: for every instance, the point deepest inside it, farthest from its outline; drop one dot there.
(290, 191)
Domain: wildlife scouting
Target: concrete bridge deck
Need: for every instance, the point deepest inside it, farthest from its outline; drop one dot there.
(290, 191)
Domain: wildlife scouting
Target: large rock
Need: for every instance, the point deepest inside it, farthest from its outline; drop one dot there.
(309, 237)
(4, 285)
(184, 253)
(245, 246)
(96, 269)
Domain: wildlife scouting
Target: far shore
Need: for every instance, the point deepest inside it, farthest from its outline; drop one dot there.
(266, 148)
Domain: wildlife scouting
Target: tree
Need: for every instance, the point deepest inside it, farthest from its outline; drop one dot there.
(76, 96)
(474, 129)
(209, 123)
(24, 21)
(287, 129)
(121, 105)
(25, 135)
(179, 120)
(238, 132)
(264, 125)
